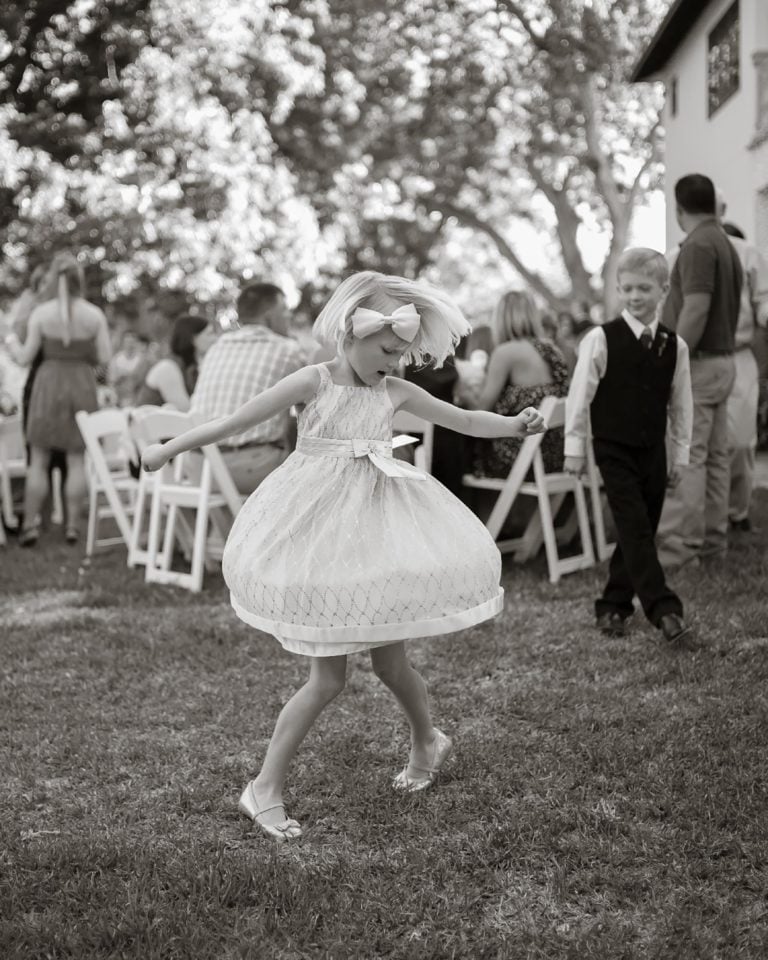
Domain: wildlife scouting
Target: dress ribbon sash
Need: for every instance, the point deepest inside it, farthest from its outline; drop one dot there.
(379, 452)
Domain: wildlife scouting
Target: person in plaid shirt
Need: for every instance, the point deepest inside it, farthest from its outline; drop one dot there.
(241, 364)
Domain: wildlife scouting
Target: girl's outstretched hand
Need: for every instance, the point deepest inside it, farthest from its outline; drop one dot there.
(532, 421)
(153, 457)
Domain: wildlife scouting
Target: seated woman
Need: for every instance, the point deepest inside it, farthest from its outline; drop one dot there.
(171, 380)
(524, 368)
(125, 371)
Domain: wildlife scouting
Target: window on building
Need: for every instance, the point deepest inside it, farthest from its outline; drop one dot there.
(673, 97)
(760, 58)
(723, 59)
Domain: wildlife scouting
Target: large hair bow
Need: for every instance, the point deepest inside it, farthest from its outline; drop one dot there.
(404, 322)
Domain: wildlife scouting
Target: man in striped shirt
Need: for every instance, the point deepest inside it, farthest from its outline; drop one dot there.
(241, 364)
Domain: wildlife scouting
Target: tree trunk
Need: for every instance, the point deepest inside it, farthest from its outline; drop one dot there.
(609, 276)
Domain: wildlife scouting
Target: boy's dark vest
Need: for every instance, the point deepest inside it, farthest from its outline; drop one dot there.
(630, 405)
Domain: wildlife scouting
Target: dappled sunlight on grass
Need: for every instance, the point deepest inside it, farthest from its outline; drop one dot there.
(46, 608)
(605, 799)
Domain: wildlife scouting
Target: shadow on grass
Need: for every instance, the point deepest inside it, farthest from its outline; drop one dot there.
(607, 798)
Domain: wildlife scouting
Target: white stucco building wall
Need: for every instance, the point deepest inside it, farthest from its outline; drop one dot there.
(731, 144)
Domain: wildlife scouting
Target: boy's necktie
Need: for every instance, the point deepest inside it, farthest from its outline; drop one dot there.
(646, 339)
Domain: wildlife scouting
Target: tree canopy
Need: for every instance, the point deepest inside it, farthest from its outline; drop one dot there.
(183, 147)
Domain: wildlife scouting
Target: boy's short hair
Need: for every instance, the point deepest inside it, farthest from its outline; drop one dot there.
(644, 260)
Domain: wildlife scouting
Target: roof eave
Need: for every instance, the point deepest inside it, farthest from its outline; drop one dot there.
(675, 26)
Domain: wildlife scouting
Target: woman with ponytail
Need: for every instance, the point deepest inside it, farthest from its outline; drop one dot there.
(74, 337)
(42, 287)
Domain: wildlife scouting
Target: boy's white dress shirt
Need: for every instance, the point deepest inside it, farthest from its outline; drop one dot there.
(590, 368)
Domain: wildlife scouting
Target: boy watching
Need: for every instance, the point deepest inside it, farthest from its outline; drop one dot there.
(632, 375)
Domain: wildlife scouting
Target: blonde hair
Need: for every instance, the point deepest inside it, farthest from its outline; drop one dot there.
(68, 273)
(516, 317)
(442, 322)
(646, 261)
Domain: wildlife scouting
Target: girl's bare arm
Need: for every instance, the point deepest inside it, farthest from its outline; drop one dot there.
(296, 388)
(25, 353)
(474, 423)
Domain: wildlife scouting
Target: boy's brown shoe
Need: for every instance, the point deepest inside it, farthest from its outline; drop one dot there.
(676, 632)
(612, 624)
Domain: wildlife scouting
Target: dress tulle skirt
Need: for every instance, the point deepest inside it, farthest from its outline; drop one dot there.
(332, 556)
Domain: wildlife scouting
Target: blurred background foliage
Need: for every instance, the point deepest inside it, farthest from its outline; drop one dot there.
(184, 146)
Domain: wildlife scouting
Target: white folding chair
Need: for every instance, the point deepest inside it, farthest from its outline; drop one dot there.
(593, 481)
(550, 491)
(142, 436)
(225, 486)
(145, 428)
(598, 502)
(405, 422)
(13, 464)
(198, 482)
(107, 448)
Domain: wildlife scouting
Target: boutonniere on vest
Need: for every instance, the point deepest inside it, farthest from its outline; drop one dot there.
(663, 337)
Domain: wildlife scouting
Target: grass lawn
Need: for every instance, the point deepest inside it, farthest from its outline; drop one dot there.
(607, 799)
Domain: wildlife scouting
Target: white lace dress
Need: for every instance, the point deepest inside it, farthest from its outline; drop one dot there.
(342, 548)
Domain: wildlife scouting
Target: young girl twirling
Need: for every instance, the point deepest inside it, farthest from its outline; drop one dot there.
(344, 549)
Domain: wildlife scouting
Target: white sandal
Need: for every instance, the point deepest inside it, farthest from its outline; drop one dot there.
(443, 746)
(287, 829)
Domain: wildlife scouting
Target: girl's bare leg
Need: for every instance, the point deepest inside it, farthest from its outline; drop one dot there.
(75, 489)
(327, 676)
(35, 486)
(391, 666)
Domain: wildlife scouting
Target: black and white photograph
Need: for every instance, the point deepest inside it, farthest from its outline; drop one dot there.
(384, 479)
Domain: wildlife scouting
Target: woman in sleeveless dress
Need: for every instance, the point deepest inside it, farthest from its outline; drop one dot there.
(172, 379)
(524, 368)
(74, 337)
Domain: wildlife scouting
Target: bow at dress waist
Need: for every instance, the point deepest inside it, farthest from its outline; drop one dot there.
(379, 452)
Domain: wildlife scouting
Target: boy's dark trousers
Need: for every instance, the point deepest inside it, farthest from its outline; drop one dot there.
(635, 481)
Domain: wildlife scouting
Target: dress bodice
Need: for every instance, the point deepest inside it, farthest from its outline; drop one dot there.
(346, 413)
(83, 350)
(342, 548)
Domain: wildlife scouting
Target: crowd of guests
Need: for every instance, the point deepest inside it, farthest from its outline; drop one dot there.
(717, 301)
